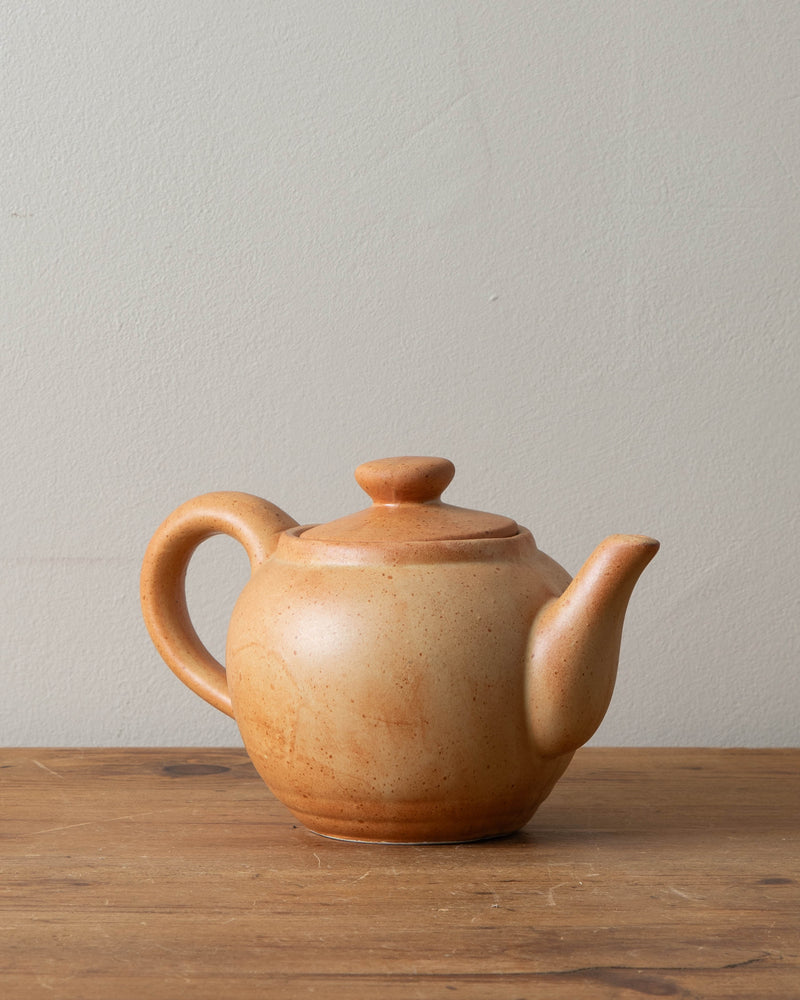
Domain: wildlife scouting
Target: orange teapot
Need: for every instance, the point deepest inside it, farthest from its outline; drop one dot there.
(412, 673)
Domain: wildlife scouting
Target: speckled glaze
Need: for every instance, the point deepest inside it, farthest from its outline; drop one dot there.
(412, 673)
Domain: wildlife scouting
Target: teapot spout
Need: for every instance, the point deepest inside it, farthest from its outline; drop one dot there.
(575, 645)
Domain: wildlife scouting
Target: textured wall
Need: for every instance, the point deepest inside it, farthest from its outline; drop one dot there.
(249, 245)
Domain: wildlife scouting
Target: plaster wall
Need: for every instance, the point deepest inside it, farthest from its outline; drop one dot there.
(249, 245)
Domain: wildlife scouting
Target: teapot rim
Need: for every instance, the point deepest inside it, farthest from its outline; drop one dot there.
(295, 546)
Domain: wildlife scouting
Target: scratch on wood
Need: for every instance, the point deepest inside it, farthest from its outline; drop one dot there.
(747, 961)
(44, 767)
(550, 899)
(92, 822)
(683, 895)
(496, 904)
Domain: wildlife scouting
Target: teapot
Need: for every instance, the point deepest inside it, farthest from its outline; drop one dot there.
(414, 672)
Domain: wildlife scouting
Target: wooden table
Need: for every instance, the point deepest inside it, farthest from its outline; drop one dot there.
(167, 873)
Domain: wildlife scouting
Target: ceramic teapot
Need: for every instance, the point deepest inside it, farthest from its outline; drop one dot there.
(415, 672)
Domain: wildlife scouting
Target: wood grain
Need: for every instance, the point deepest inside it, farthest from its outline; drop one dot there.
(167, 873)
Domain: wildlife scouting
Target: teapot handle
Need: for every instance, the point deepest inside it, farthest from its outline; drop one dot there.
(253, 522)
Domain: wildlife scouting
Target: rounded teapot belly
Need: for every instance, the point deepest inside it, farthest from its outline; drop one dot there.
(388, 703)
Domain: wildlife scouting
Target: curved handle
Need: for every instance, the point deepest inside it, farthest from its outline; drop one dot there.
(254, 523)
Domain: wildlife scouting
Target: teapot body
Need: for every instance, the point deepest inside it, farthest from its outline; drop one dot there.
(381, 694)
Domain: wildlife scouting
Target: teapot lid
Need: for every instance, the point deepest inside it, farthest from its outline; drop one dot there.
(406, 507)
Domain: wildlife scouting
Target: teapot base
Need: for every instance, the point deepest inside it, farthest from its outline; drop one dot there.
(459, 820)
(413, 843)
(423, 832)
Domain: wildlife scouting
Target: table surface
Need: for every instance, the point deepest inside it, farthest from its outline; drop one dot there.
(166, 873)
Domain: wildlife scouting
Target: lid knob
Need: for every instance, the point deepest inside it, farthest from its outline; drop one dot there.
(408, 479)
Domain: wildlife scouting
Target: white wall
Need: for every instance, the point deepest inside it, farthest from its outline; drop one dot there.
(248, 245)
